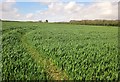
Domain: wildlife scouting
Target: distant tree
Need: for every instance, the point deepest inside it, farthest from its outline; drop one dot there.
(40, 20)
(46, 21)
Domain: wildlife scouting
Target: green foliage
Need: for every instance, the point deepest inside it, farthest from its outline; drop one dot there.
(17, 62)
(46, 21)
(96, 22)
(83, 52)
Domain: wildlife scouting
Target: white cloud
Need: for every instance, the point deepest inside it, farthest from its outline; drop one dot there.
(30, 15)
(60, 0)
(71, 6)
(8, 10)
(72, 10)
(101, 10)
(9, 1)
(106, 0)
(59, 11)
(0, 10)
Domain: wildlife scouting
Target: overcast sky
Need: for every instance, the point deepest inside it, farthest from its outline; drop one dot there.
(58, 10)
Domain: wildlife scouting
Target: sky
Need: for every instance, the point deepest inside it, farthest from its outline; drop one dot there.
(58, 10)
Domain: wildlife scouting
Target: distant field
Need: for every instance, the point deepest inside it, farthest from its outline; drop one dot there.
(43, 51)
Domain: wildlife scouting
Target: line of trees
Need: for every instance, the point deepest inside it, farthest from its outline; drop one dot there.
(96, 22)
(83, 22)
(46, 21)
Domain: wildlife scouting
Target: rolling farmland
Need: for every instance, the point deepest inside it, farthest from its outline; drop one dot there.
(44, 51)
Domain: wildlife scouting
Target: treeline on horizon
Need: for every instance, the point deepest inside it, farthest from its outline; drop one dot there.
(81, 22)
(96, 22)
